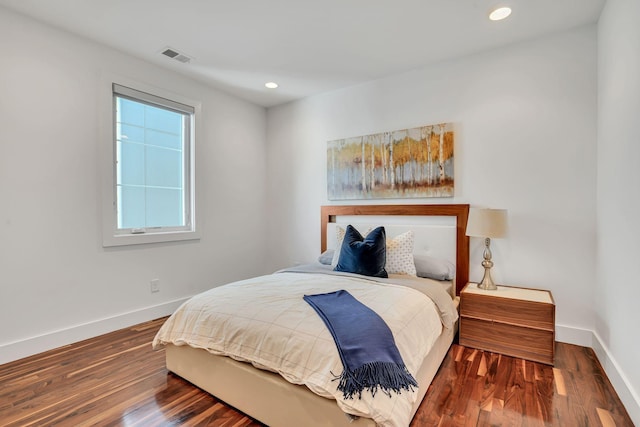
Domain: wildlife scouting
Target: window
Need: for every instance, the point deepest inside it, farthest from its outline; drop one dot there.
(152, 168)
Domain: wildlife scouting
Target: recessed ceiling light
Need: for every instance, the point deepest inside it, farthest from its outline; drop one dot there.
(500, 13)
(271, 85)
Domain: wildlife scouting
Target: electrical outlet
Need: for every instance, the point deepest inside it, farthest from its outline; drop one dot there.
(155, 285)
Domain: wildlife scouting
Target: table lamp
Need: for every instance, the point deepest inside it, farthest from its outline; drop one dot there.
(487, 223)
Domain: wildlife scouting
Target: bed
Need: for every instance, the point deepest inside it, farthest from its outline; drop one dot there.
(259, 391)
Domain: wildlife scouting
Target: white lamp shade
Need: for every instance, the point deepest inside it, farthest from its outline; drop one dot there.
(487, 223)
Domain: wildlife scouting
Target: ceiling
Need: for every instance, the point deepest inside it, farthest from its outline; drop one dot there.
(306, 46)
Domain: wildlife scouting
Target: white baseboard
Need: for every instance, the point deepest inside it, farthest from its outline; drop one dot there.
(577, 336)
(618, 379)
(34, 345)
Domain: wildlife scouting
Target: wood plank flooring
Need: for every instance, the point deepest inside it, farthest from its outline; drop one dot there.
(118, 380)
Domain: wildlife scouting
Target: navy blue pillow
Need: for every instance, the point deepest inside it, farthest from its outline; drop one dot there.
(366, 256)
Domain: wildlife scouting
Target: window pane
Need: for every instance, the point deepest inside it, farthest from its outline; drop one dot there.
(162, 120)
(163, 167)
(130, 112)
(131, 207)
(164, 139)
(131, 133)
(164, 207)
(150, 143)
(131, 164)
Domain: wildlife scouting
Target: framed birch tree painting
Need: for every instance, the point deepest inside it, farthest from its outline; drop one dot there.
(416, 162)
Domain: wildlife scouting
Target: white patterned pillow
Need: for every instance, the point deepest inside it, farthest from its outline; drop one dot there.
(400, 255)
(339, 238)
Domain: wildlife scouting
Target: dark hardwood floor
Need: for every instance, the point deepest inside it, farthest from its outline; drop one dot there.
(118, 380)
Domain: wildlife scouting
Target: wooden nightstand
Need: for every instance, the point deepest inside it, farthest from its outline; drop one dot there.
(517, 322)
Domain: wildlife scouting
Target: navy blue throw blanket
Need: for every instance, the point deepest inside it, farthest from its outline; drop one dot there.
(366, 346)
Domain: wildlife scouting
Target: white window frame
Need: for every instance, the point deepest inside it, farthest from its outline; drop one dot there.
(111, 235)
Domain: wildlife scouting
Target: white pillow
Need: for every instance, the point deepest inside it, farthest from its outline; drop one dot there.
(326, 257)
(434, 268)
(400, 254)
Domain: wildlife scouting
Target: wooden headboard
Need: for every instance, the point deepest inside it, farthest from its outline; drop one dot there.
(460, 211)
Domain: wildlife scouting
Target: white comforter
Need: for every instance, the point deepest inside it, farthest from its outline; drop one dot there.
(266, 322)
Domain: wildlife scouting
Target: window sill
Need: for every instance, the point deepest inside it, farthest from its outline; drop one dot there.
(141, 239)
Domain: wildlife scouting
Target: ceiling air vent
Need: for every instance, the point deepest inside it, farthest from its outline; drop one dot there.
(174, 54)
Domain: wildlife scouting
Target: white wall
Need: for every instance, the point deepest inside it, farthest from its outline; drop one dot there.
(617, 291)
(525, 141)
(57, 283)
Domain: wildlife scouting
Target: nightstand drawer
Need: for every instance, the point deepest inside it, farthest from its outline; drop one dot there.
(512, 340)
(507, 310)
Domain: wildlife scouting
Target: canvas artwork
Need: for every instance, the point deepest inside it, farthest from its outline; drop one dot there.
(416, 162)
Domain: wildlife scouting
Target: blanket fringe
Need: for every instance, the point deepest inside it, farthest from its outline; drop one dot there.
(386, 376)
